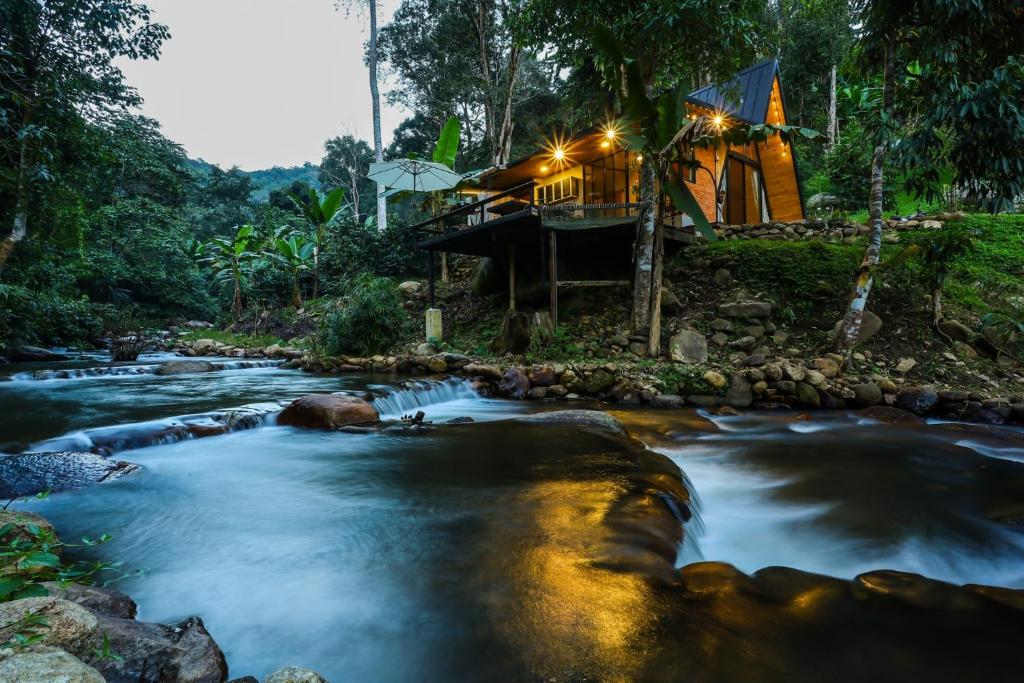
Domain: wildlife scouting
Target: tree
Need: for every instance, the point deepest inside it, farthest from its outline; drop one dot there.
(293, 251)
(230, 260)
(345, 164)
(319, 213)
(57, 63)
(961, 81)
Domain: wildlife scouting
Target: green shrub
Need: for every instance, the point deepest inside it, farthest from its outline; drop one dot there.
(368, 321)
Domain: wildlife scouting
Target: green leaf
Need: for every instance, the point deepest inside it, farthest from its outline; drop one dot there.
(34, 590)
(40, 559)
(9, 584)
(686, 202)
(448, 143)
(331, 204)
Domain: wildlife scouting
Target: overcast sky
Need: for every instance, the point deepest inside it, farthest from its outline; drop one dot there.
(260, 83)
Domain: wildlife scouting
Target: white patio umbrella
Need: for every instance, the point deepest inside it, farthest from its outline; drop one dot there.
(414, 175)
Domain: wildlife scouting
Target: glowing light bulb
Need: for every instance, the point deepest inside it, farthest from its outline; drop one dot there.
(718, 120)
(559, 154)
(543, 169)
(605, 144)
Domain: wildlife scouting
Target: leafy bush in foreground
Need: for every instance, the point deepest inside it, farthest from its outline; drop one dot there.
(368, 321)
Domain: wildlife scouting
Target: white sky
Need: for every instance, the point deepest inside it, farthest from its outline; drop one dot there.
(260, 83)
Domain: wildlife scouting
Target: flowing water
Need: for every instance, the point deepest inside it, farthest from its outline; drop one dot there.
(500, 550)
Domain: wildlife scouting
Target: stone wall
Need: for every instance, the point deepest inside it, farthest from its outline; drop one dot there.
(829, 230)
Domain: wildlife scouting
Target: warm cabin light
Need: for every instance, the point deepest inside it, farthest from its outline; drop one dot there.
(718, 120)
(559, 154)
(639, 158)
(605, 144)
(610, 133)
(543, 169)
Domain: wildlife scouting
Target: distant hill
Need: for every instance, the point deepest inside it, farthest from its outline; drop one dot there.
(266, 180)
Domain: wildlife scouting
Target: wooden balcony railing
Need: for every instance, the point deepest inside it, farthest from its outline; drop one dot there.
(519, 198)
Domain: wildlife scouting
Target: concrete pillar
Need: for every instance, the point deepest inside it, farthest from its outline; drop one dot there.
(434, 333)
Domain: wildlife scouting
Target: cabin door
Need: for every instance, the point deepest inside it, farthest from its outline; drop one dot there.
(736, 192)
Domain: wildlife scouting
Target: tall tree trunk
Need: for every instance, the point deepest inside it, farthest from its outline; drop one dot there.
(657, 267)
(20, 226)
(643, 249)
(378, 145)
(504, 145)
(236, 305)
(833, 121)
(850, 328)
(937, 306)
(490, 116)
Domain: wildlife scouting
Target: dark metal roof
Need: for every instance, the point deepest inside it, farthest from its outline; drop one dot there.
(746, 96)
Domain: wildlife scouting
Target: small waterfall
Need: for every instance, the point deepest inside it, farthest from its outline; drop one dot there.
(128, 370)
(109, 440)
(416, 394)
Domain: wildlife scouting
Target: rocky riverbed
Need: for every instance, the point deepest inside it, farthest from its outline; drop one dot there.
(633, 545)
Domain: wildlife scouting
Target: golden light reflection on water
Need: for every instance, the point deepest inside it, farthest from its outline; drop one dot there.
(575, 616)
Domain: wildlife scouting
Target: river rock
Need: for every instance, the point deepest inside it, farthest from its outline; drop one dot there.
(542, 375)
(183, 652)
(905, 365)
(557, 391)
(181, 367)
(917, 400)
(870, 325)
(295, 674)
(202, 347)
(598, 381)
(867, 394)
(688, 346)
(670, 302)
(327, 411)
(740, 393)
(721, 325)
(715, 379)
(826, 366)
(814, 378)
(45, 664)
(956, 330)
(410, 288)
(514, 384)
(34, 354)
(744, 343)
(667, 401)
(591, 419)
(70, 627)
(890, 415)
(27, 474)
(107, 601)
(481, 370)
(807, 395)
(746, 309)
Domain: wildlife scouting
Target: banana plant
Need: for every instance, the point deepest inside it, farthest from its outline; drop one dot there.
(230, 259)
(319, 211)
(294, 252)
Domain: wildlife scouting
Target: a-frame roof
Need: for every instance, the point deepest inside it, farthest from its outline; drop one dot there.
(745, 97)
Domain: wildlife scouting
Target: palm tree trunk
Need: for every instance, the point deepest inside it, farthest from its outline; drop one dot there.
(863, 280)
(236, 306)
(20, 227)
(643, 250)
(657, 266)
(378, 145)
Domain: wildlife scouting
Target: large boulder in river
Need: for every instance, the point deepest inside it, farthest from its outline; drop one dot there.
(183, 652)
(514, 384)
(34, 354)
(182, 367)
(27, 474)
(295, 674)
(45, 664)
(327, 411)
(589, 419)
(106, 601)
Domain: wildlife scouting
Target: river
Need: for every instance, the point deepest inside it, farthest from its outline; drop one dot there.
(490, 551)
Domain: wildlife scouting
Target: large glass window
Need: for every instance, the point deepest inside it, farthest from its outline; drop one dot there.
(606, 181)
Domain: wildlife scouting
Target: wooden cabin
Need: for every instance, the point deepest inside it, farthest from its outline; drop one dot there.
(567, 213)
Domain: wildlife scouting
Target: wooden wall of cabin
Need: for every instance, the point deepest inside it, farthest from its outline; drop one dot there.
(778, 168)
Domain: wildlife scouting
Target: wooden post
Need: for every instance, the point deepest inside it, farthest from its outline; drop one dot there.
(430, 278)
(553, 274)
(511, 276)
